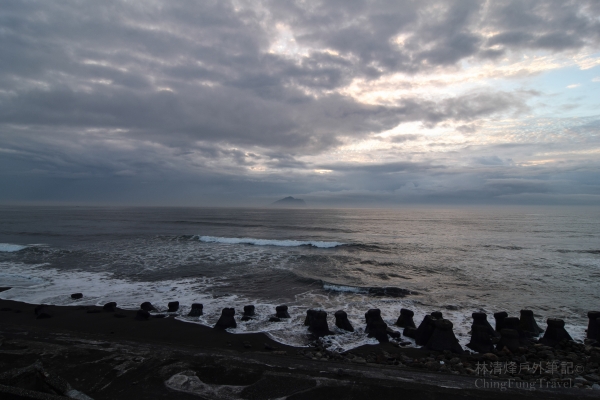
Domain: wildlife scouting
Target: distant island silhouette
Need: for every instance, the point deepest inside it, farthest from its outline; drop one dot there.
(289, 202)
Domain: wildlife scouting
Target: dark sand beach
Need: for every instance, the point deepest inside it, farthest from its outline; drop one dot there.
(111, 355)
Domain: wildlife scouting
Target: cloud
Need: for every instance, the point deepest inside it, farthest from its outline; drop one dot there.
(573, 86)
(402, 138)
(253, 97)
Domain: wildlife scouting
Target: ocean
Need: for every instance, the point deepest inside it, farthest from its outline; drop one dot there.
(454, 260)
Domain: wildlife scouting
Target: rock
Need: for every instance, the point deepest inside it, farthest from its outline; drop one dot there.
(490, 357)
(119, 315)
(142, 315)
(93, 311)
(509, 338)
(197, 310)
(527, 324)
(499, 317)
(76, 296)
(318, 324)
(147, 306)
(595, 386)
(443, 337)
(342, 322)
(226, 320)
(249, 311)
(282, 312)
(593, 331)
(376, 327)
(410, 332)
(405, 319)
(310, 314)
(592, 377)
(35, 382)
(110, 307)
(481, 340)
(424, 331)
(555, 332)
(173, 306)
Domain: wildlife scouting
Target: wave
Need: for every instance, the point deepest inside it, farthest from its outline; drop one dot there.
(366, 247)
(11, 248)
(371, 291)
(269, 242)
(580, 251)
(268, 226)
(493, 246)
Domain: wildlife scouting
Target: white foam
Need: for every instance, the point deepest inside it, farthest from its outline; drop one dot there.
(268, 242)
(18, 280)
(342, 288)
(52, 286)
(10, 248)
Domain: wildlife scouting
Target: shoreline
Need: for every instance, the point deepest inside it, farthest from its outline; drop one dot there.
(87, 338)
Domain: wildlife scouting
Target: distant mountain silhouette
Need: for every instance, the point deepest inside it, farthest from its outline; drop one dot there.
(289, 202)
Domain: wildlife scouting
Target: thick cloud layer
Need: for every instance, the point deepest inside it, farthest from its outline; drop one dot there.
(339, 102)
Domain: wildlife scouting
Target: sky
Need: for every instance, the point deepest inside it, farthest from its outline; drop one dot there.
(340, 103)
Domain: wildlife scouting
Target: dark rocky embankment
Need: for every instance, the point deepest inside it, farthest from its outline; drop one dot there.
(111, 354)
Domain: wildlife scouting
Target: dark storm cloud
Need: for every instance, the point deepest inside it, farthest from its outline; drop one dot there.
(194, 91)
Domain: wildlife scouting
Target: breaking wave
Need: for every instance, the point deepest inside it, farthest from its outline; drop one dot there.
(580, 251)
(10, 248)
(372, 291)
(268, 242)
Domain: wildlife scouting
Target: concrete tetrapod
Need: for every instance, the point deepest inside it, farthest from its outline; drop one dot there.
(527, 324)
(509, 338)
(443, 338)
(593, 330)
(342, 322)
(376, 327)
(227, 319)
(481, 341)
(405, 319)
(282, 312)
(555, 332)
(197, 310)
(318, 324)
(499, 317)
